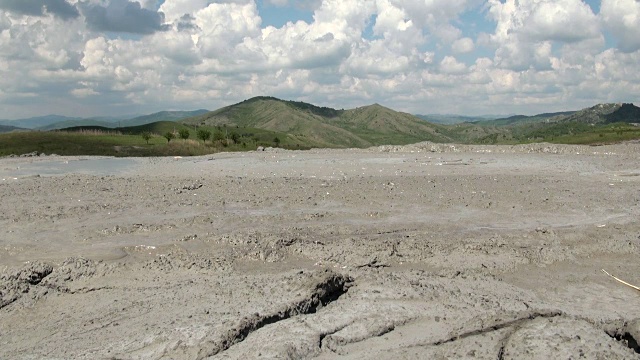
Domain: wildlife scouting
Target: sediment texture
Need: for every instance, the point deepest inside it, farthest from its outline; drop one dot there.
(422, 251)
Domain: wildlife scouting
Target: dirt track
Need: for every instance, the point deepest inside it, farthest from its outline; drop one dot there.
(423, 251)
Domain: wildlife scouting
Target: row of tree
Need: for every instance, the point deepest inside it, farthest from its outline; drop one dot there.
(201, 134)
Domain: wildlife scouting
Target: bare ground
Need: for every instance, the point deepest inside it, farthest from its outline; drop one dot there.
(422, 251)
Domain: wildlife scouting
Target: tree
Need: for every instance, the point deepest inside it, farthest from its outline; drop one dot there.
(276, 140)
(204, 135)
(169, 135)
(184, 134)
(146, 136)
(217, 136)
(235, 137)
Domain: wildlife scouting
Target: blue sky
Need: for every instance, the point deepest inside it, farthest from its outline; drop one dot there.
(111, 57)
(278, 16)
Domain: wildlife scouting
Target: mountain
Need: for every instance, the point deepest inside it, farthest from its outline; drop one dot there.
(7, 128)
(452, 119)
(598, 114)
(161, 116)
(75, 123)
(606, 113)
(36, 122)
(522, 119)
(323, 126)
(57, 122)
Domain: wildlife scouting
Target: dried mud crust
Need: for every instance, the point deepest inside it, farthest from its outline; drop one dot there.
(420, 251)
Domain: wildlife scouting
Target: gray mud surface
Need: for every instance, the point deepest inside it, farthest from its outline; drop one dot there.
(400, 252)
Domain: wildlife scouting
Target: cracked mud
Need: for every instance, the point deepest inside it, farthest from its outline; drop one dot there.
(325, 254)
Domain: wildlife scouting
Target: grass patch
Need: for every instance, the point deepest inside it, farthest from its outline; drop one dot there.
(126, 142)
(123, 142)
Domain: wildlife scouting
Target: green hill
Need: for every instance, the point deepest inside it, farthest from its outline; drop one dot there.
(267, 121)
(324, 127)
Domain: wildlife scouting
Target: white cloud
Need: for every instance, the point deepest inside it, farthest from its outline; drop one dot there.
(463, 45)
(213, 53)
(450, 65)
(622, 18)
(526, 30)
(175, 9)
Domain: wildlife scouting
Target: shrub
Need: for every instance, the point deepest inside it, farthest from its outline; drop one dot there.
(169, 135)
(204, 135)
(184, 134)
(217, 136)
(146, 136)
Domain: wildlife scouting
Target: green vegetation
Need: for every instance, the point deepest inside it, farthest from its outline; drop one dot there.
(128, 142)
(184, 134)
(265, 122)
(146, 136)
(204, 135)
(169, 136)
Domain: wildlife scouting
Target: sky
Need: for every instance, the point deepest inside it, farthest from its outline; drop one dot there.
(470, 57)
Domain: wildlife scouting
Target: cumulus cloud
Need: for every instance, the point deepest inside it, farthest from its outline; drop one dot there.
(622, 18)
(210, 53)
(122, 16)
(176, 9)
(527, 29)
(463, 45)
(58, 8)
(544, 20)
(451, 65)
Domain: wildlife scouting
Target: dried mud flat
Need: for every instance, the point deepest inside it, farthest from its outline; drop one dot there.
(422, 251)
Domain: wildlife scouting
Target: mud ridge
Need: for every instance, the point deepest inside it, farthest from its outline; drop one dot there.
(323, 336)
(16, 284)
(329, 289)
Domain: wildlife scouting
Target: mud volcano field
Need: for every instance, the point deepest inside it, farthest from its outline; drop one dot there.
(422, 251)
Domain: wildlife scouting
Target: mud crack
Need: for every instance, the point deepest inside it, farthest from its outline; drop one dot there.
(517, 322)
(628, 333)
(327, 290)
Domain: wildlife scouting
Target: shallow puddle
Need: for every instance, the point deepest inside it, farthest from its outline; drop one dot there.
(54, 167)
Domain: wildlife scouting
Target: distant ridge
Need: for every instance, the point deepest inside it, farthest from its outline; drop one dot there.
(599, 114)
(161, 116)
(7, 128)
(521, 119)
(606, 113)
(36, 122)
(57, 122)
(451, 119)
(74, 123)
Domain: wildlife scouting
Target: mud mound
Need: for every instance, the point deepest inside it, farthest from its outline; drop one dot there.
(562, 338)
(22, 282)
(75, 269)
